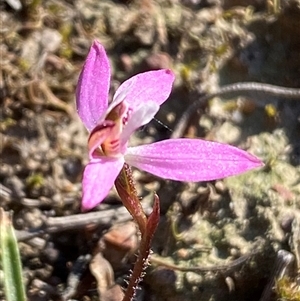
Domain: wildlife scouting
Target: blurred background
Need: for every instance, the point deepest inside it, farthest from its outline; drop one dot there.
(232, 229)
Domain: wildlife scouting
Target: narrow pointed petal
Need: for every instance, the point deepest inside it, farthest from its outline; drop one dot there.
(141, 116)
(153, 86)
(93, 85)
(191, 160)
(98, 178)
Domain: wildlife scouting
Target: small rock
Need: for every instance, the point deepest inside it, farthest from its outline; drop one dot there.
(157, 61)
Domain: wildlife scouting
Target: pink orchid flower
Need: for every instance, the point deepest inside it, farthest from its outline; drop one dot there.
(134, 104)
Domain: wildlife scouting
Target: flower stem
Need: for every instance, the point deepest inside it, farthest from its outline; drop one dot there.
(127, 192)
(145, 248)
(147, 226)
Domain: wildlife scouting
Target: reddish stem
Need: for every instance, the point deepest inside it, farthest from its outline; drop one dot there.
(143, 258)
(127, 192)
(126, 189)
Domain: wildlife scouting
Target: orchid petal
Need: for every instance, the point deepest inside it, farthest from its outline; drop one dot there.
(153, 86)
(98, 178)
(191, 159)
(142, 115)
(93, 86)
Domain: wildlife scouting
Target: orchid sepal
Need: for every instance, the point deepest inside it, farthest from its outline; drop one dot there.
(191, 160)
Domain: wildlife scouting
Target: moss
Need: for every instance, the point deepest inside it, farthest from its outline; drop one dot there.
(35, 181)
(287, 290)
(6, 123)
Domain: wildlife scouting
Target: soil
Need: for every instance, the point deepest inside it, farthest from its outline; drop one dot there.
(216, 241)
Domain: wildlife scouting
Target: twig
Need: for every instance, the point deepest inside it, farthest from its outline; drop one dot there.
(75, 275)
(77, 221)
(233, 265)
(236, 88)
(71, 222)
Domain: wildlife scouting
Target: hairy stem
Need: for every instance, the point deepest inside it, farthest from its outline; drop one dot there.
(147, 226)
(143, 258)
(127, 192)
